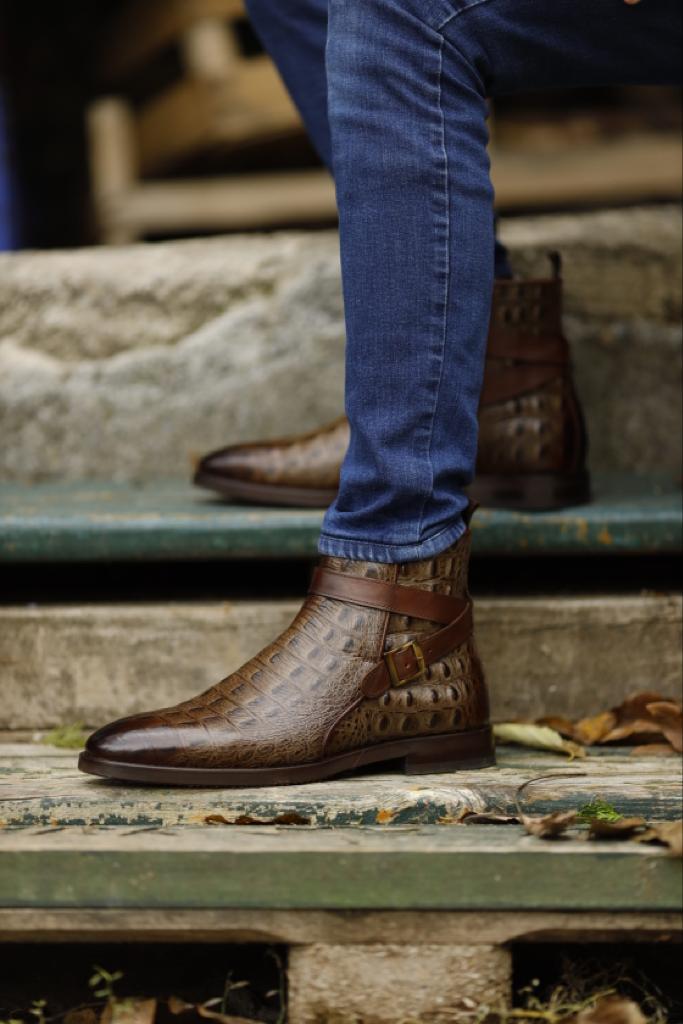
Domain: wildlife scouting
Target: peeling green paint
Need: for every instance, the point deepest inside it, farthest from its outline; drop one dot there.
(171, 520)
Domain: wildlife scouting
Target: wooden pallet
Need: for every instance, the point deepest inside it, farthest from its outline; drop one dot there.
(86, 860)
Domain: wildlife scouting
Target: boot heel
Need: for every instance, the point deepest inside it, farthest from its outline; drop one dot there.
(471, 749)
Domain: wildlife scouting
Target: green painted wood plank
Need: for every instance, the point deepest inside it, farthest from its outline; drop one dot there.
(44, 788)
(456, 868)
(95, 521)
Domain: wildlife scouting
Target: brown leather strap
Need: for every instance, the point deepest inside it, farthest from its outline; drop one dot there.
(409, 661)
(412, 659)
(527, 348)
(502, 384)
(388, 597)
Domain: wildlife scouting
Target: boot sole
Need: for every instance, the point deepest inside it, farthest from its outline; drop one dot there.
(473, 748)
(532, 492)
(265, 494)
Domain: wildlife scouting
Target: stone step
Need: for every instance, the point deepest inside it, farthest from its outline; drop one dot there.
(546, 654)
(165, 520)
(129, 362)
(40, 787)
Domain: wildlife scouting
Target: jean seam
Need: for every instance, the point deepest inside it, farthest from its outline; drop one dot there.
(462, 10)
(447, 282)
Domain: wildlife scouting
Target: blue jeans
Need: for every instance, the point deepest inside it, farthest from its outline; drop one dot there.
(405, 84)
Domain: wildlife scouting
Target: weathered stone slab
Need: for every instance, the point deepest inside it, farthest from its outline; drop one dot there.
(129, 362)
(41, 787)
(383, 984)
(543, 655)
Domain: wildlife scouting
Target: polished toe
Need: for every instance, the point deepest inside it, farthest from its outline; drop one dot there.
(139, 739)
(234, 463)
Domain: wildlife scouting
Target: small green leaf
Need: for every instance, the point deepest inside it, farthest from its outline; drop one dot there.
(598, 809)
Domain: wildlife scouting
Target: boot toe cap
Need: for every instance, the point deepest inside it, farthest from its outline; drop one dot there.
(235, 463)
(139, 739)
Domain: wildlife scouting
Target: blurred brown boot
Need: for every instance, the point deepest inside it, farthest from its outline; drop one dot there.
(532, 439)
(379, 665)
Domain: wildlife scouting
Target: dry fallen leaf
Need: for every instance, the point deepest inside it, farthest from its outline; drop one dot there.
(622, 828)
(222, 1018)
(668, 715)
(539, 737)
(81, 1015)
(549, 826)
(177, 1006)
(564, 726)
(633, 718)
(455, 819)
(129, 1011)
(610, 1010)
(653, 750)
(666, 833)
(289, 818)
(490, 819)
(592, 730)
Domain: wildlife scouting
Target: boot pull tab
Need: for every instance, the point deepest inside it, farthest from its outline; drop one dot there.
(556, 264)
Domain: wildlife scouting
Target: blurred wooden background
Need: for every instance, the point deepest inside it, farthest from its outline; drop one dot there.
(164, 118)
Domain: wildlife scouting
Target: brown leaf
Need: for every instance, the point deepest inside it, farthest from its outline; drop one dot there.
(177, 1006)
(289, 818)
(564, 726)
(669, 717)
(129, 1011)
(666, 833)
(592, 730)
(490, 819)
(653, 750)
(223, 1018)
(633, 718)
(549, 826)
(622, 828)
(455, 819)
(81, 1015)
(611, 1010)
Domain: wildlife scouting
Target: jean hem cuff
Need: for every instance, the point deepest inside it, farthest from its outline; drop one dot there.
(370, 551)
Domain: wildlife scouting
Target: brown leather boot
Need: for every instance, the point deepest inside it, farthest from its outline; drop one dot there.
(379, 665)
(532, 439)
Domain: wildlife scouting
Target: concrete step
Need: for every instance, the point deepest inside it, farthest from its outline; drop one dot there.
(40, 787)
(127, 363)
(172, 520)
(547, 654)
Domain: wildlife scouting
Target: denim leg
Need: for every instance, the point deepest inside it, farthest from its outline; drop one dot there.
(408, 122)
(295, 36)
(294, 32)
(407, 81)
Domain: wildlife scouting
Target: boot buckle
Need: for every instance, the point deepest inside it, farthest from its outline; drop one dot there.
(418, 654)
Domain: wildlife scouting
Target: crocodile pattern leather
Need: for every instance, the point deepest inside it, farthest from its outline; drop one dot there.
(451, 696)
(524, 434)
(300, 699)
(311, 460)
(530, 418)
